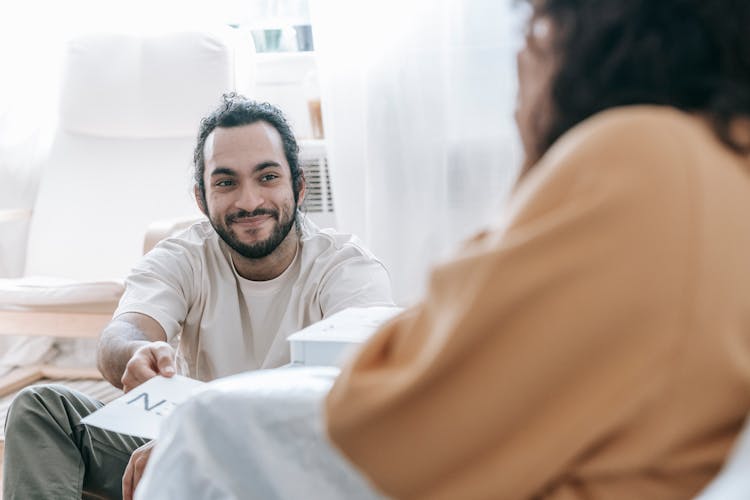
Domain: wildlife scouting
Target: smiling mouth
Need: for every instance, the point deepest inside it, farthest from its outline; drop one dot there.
(249, 219)
(251, 222)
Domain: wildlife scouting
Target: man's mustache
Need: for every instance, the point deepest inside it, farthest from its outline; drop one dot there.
(244, 214)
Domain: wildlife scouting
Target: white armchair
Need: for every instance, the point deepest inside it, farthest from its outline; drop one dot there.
(121, 159)
(12, 222)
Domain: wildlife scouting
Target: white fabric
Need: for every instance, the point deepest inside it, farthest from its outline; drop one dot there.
(188, 283)
(418, 101)
(21, 351)
(13, 233)
(148, 74)
(253, 436)
(733, 482)
(41, 292)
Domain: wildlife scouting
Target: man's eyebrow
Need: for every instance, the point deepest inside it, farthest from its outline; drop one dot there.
(266, 164)
(223, 171)
(257, 168)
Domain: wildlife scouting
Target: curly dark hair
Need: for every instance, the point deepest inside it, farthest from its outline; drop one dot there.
(235, 111)
(693, 55)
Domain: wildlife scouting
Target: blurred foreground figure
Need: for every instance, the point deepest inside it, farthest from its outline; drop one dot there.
(254, 436)
(595, 344)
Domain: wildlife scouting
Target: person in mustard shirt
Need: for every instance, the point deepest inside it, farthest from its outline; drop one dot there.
(596, 343)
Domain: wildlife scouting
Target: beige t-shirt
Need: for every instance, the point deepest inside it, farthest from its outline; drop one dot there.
(226, 324)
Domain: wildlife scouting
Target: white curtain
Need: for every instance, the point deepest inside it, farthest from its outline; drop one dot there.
(418, 99)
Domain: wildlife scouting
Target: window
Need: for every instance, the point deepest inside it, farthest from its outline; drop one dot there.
(278, 25)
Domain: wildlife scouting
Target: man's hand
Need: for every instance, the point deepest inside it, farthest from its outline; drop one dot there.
(135, 468)
(149, 360)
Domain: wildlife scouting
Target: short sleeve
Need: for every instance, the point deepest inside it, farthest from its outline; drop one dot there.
(359, 281)
(161, 286)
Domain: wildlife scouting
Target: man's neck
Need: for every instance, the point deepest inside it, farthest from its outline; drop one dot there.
(271, 266)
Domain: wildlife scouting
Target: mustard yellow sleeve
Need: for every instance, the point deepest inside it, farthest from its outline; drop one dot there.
(540, 339)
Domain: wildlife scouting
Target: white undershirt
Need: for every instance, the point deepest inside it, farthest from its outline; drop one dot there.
(262, 300)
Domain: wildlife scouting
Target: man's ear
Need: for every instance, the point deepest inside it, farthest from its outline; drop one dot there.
(199, 200)
(302, 187)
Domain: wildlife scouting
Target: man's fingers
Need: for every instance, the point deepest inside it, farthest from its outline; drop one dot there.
(135, 468)
(148, 361)
(165, 359)
(140, 466)
(127, 481)
(139, 373)
(135, 374)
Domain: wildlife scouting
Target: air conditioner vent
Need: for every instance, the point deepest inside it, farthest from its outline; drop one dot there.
(314, 163)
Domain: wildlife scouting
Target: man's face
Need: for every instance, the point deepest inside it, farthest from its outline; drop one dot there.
(249, 196)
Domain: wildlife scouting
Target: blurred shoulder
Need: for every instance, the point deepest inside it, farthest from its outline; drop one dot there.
(637, 145)
(634, 156)
(648, 133)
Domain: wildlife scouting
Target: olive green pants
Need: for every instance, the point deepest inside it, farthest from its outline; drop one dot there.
(49, 454)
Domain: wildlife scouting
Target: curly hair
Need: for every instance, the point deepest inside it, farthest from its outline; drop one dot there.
(235, 111)
(693, 55)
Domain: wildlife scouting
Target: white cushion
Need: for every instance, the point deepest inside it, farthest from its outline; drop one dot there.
(50, 293)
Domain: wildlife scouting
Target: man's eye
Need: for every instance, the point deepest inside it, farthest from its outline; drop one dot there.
(224, 183)
(268, 177)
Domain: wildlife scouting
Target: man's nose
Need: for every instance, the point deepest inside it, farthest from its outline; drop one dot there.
(250, 198)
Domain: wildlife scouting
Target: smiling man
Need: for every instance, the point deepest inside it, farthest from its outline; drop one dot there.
(226, 292)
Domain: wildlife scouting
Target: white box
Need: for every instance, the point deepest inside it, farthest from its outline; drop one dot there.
(329, 341)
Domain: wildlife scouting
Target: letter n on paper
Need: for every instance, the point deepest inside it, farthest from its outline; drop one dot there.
(146, 407)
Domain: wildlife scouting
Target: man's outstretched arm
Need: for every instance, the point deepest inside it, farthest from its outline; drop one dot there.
(132, 349)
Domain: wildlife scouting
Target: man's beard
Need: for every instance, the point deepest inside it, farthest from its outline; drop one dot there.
(261, 248)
